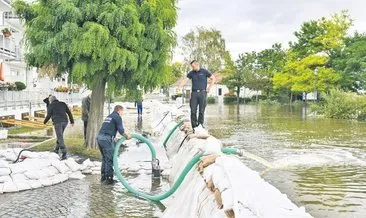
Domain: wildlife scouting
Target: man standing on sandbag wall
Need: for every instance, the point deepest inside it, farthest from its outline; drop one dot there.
(106, 138)
(58, 110)
(199, 77)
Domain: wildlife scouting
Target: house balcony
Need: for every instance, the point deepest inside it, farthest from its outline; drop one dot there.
(9, 49)
(13, 20)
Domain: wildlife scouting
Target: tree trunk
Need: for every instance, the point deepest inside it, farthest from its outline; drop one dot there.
(291, 96)
(96, 112)
(237, 95)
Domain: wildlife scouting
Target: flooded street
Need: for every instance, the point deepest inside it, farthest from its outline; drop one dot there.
(319, 163)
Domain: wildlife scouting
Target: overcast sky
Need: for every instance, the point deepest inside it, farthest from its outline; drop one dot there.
(249, 25)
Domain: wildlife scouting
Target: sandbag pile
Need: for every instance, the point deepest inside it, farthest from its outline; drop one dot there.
(39, 169)
(220, 185)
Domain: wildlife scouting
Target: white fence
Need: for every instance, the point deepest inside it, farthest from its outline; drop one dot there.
(30, 100)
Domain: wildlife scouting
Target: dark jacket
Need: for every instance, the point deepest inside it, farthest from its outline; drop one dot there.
(112, 124)
(85, 106)
(58, 110)
(47, 101)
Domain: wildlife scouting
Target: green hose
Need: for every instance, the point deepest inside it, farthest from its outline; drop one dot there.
(171, 132)
(175, 186)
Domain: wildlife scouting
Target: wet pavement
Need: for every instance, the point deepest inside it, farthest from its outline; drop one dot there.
(78, 198)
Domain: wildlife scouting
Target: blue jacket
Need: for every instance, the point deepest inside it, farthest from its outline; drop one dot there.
(112, 124)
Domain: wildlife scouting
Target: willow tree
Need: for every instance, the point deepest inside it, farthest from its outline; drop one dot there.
(114, 43)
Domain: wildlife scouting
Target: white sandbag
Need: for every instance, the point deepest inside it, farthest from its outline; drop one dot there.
(22, 185)
(63, 177)
(76, 175)
(34, 164)
(1, 188)
(227, 197)
(208, 172)
(10, 156)
(18, 177)
(96, 168)
(2, 153)
(97, 163)
(10, 187)
(212, 146)
(87, 171)
(4, 171)
(35, 184)
(56, 179)
(5, 178)
(96, 172)
(43, 174)
(60, 166)
(33, 174)
(87, 164)
(83, 167)
(17, 168)
(45, 182)
(71, 163)
(52, 170)
(30, 154)
(53, 156)
(4, 164)
(49, 155)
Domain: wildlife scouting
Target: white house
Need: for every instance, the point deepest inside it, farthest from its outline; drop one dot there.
(12, 60)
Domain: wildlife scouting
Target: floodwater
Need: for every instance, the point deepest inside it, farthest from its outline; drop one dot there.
(319, 163)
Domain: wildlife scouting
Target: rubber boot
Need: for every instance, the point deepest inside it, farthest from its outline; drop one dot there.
(103, 178)
(55, 151)
(64, 156)
(109, 180)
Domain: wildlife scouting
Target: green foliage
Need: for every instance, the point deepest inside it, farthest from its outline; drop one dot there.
(211, 100)
(125, 43)
(350, 62)
(20, 86)
(174, 72)
(322, 35)
(306, 75)
(75, 146)
(343, 105)
(234, 100)
(307, 67)
(207, 46)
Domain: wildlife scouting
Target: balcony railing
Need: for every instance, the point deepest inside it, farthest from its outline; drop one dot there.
(10, 15)
(9, 47)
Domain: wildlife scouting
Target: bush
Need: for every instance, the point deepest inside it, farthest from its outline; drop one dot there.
(229, 99)
(343, 105)
(174, 97)
(20, 86)
(211, 100)
(233, 100)
(269, 103)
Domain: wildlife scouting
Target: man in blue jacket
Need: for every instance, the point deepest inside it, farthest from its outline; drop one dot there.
(105, 138)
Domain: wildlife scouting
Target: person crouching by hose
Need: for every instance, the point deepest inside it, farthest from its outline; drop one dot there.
(58, 110)
(106, 138)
